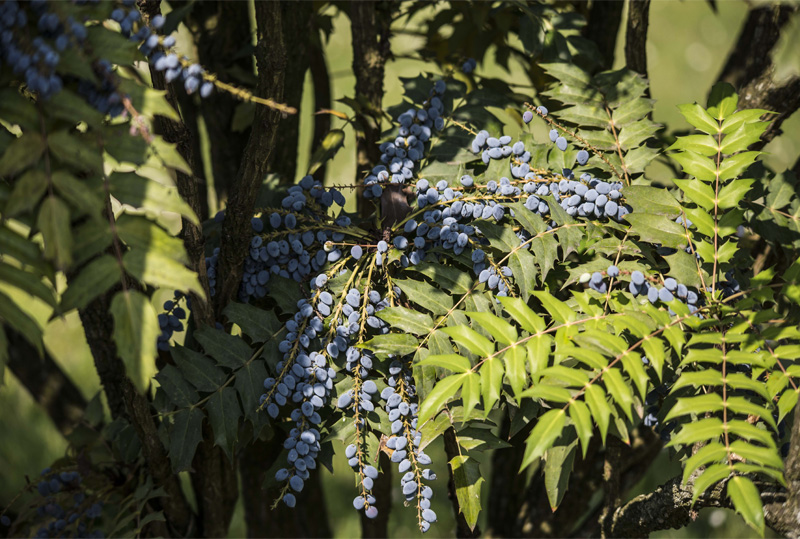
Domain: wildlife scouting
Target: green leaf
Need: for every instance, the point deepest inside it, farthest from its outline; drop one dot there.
(470, 339)
(522, 264)
(452, 362)
(199, 370)
(492, 372)
(522, 314)
(471, 392)
(695, 164)
(158, 270)
(223, 414)
(700, 193)
(743, 137)
(449, 278)
(732, 123)
(12, 315)
(177, 389)
(652, 200)
(136, 332)
(54, 223)
(582, 419)
(699, 118)
(186, 433)
(703, 144)
(709, 428)
(601, 411)
(733, 166)
(28, 282)
(76, 149)
(711, 476)
(699, 404)
(722, 101)
(632, 135)
(637, 159)
(228, 350)
(78, 194)
(140, 233)
(631, 111)
(557, 469)
(747, 502)
(399, 344)
(21, 153)
(548, 428)
(444, 390)
(657, 229)
(93, 280)
(426, 295)
(249, 384)
(139, 192)
(501, 330)
(711, 452)
(467, 479)
(732, 194)
(407, 320)
(619, 390)
(567, 74)
(28, 190)
(559, 310)
(514, 359)
(258, 324)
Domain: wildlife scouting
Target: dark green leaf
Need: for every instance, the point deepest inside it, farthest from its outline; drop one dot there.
(467, 479)
(228, 350)
(198, 369)
(186, 433)
(22, 153)
(136, 332)
(223, 414)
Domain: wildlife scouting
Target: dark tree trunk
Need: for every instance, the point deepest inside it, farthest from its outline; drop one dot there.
(296, 18)
(636, 36)
(271, 56)
(602, 27)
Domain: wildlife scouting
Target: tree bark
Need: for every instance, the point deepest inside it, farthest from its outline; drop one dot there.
(46, 382)
(750, 56)
(271, 57)
(370, 32)
(636, 36)
(602, 27)
(296, 19)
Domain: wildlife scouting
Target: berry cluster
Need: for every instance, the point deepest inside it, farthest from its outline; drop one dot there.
(401, 156)
(62, 508)
(170, 321)
(469, 65)
(402, 407)
(296, 246)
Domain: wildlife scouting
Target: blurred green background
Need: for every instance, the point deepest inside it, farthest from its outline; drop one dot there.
(687, 46)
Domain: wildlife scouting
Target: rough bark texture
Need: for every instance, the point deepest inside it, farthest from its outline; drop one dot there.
(308, 519)
(636, 36)
(46, 382)
(296, 19)
(452, 451)
(220, 44)
(602, 27)
(764, 93)
(271, 57)
(370, 32)
(215, 486)
(190, 187)
(750, 56)
(750, 69)
(670, 505)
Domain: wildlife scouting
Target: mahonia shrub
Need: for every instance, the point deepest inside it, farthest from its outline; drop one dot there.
(493, 274)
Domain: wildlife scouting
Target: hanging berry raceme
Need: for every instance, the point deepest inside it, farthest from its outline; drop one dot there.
(170, 321)
(402, 406)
